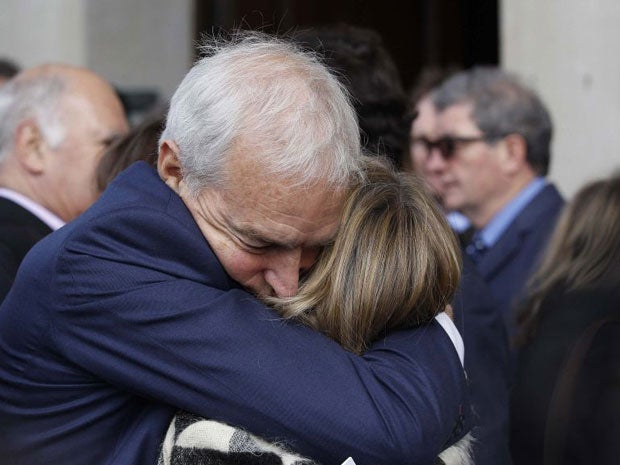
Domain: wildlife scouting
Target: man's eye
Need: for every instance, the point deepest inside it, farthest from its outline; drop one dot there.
(257, 247)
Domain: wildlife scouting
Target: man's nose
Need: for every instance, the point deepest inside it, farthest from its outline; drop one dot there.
(435, 160)
(283, 273)
(286, 268)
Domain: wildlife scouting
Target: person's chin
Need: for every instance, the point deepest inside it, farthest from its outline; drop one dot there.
(451, 201)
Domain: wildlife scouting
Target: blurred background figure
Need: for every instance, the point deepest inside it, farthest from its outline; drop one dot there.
(477, 314)
(566, 401)
(365, 67)
(422, 138)
(139, 144)
(8, 69)
(493, 153)
(56, 121)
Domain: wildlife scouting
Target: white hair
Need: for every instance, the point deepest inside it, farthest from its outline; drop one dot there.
(269, 95)
(33, 98)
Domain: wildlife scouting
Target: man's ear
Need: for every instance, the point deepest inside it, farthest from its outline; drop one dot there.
(516, 153)
(168, 165)
(30, 147)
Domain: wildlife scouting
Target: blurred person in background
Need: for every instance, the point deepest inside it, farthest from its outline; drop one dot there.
(139, 144)
(422, 138)
(56, 122)
(365, 67)
(493, 155)
(566, 399)
(477, 313)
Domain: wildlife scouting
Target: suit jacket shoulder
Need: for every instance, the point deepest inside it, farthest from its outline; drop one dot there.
(507, 265)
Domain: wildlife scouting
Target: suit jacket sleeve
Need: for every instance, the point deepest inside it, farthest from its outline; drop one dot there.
(133, 310)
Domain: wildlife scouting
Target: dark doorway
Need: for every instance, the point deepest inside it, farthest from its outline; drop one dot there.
(418, 33)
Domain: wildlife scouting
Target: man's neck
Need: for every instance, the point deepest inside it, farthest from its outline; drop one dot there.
(35, 202)
(14, 180)
(482, 215)
(495, 228)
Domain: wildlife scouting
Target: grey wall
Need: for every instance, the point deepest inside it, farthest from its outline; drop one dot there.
(568, 50)
(133, 43)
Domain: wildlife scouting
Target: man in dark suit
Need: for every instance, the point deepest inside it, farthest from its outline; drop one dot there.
(56, 120)
(140, 307)
(491, 156)
(475, 309)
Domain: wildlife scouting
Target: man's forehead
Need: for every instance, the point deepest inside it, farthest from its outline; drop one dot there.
(287, 239)
(284, 215)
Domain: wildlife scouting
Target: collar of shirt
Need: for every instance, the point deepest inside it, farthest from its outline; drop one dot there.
(37, 210)
(458, 221)
(500, 222)
(453, 333)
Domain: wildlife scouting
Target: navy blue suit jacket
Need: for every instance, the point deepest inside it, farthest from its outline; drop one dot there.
(487, 363)
(508, 264)
(124, 316)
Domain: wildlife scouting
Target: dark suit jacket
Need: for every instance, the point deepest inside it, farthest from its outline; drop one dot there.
(125, 315)
(487, 364)
(508, 264)
(592, 428)
(19, 231)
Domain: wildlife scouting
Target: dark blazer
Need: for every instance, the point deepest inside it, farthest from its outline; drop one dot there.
(508, 264)
(19, 231)
(125, 315)
(592, 426)
(487, 363)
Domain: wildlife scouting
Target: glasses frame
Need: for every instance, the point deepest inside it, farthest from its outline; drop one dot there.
(447, 145)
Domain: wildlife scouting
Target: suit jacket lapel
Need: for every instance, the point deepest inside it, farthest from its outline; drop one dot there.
(547, 202)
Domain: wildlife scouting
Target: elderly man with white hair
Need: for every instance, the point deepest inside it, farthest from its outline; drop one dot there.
(55, 122)
(140, 307)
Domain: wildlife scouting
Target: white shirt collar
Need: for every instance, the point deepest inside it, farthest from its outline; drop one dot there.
(450, 328)
(50, 219)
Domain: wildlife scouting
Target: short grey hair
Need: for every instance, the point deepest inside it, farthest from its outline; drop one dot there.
(267, 92)
(502, 105)
(34, 98)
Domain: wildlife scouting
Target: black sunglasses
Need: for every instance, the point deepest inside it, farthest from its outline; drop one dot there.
(447, 145)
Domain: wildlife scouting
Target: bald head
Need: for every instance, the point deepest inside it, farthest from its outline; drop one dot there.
(57, 119)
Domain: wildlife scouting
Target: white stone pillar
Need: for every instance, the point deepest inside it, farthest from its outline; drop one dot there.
(132, 43)
(568, 50)
(41, 31)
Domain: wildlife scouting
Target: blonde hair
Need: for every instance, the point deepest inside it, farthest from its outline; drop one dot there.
(582, 252)
(394, 263)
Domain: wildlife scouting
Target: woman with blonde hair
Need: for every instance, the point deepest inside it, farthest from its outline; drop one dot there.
(394, 263)
(566, 400)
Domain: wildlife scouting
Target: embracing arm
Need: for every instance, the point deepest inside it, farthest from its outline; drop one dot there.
(230, 359)
(223, 355)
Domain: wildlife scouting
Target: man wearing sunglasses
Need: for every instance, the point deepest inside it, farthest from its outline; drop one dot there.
(490, 156)
(476, 313)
